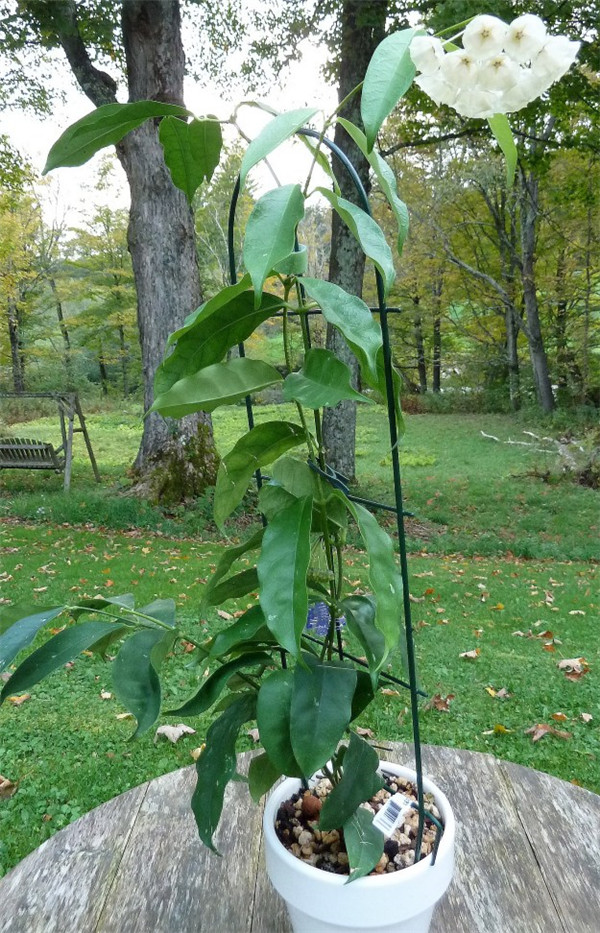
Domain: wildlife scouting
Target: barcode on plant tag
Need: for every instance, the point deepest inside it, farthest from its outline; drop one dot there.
(392, 813)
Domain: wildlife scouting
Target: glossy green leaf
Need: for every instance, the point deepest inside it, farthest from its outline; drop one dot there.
(368, 233)
(135, 675)
(351, 316)
(110, 606)
(389, 76)
(320, 711)
(211, 689)
(282, 127)
(223, 322)
(273, 720)
(163, 610)
(192, 151)
(500, 127)
(219, 384)
(272, 498)
(282, 568)
(208, 308)
(54, 654)
(364, 693)
(385, 177)
(217, 765)
(20, 625)
(384, 577)
(226, 562)
(359, 783)
(364, 843)
(271, 233)
(360, 614)
(296, 263)
(240, 584)
(104, 126)
(241, 631)
(260, 446)
(323, 381)
(295, 476)
(262, 774)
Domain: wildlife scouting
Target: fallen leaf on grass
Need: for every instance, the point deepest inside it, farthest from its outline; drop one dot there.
(541, 729)
(187, 646)
(574, 668)
(196, 752)
(5, 677)
(576, 612)
(587, 717)
(173, 733)
(442, 704)
(368, 733)
(498, 729)
(386, 692)
(559, 717)
(501, 694)
(105, 695)
(16, 701)
(124, 716)
(224, 615)
(7, 788)
(497, 608)
(471, 655)
(254, 734)
(477, 632)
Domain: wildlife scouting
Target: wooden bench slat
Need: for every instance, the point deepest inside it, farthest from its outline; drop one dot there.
(18, 453)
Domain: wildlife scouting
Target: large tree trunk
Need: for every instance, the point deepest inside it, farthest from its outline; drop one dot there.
(363, 25)
(512, 358)
(175, 459)
(16, 347)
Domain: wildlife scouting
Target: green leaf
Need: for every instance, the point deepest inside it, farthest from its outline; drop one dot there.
(271, 233)
(226, 562)
(216, 765)
(54, 654)
(368, 233)
(260, 446)
(241, 631)
(364, 843)
(386, 178)
(20, 625)
(282, 568)
(273, 719)
(163, 610)
(296, 263)
(273, 135)
(262, 774)
(211, 689)
(192, 151)
(389, 76)
(320, 711)
(384, 577)
(321, 159)
(359, 783)
(240, 584)
(360, 614)
(351, 316)
(364, 693)
(110, 606)
(295, 476)
(272, 498)
(135, 675)
(219, 384)
(104, 126)
(223, 322)
(323, 381)
(500, 127)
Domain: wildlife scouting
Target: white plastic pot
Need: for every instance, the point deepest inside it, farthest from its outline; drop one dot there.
(395, 902)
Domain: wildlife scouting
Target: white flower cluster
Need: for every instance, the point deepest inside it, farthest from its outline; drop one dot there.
(500, 68)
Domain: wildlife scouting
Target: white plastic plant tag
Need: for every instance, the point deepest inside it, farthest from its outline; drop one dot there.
(392, 813)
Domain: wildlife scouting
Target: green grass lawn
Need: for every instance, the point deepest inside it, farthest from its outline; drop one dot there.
(495, 552)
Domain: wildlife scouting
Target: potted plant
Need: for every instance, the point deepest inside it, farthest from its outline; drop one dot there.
(304, 692)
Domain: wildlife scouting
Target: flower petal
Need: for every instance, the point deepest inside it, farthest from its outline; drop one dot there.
(484, 36)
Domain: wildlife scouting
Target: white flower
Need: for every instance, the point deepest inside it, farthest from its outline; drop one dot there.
(556, 57)
(529, 86)
(458, 68)
(426, 53)
(498, 73)
(526, 36)
(476, 102)
(435, 87)
(484, 36)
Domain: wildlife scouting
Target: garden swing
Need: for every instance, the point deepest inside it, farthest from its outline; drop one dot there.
(17, 453)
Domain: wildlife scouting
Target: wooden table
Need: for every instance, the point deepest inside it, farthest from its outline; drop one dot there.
(528, 860)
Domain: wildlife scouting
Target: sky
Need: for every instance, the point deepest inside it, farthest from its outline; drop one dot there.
(68, 193)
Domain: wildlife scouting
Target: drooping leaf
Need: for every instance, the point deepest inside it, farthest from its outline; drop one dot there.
(226, 562)
(359, 783)
(108, 605)
(282, 568)
(368, 233)
(272, 498)
(389, 75)
(262, 774)
(223, 322)
(217, 765)
(351, 316)
(364, 693)
(323, 381)
(296, 263)
(54, 654)
(260, 446)
(273, 710)
(295, 476)
(242, 631)
(20, 625)
(320, 710)
(211, 689)
(104, 126)
(271, 233)
(135, 675)
(360, 612)
(280, 128)
(500, 127)
(161, 609)
(192, 151)
(219, 384)
(239, 584)
(364, 843)
(386, 178)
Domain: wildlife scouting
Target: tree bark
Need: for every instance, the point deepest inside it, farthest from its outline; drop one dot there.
(420, 345)
(363, 25)
(16, 347)
(64, 332)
